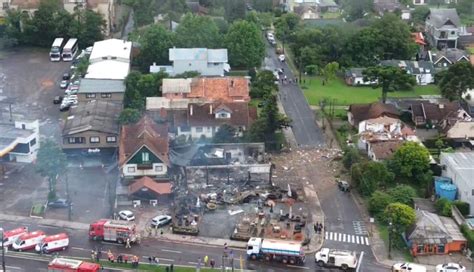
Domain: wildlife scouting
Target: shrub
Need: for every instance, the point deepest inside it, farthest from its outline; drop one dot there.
(469, 234)
(52, 196)
(403, 194)
(443, 206)
(378, 202)
(463, 207)
(351, 156)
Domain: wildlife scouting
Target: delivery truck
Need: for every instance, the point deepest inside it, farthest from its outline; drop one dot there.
(343, 259)
(287, 252)
(71, 265)
(113, 231)
(28, 240)
(52, 243)
(10, 236)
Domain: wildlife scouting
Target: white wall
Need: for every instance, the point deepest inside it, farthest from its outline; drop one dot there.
(464, 185)
(127, 170)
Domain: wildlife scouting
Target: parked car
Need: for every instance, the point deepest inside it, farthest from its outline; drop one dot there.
(408, 267)
(58, 203)
(281, 57)
(71, 91)
(160, 220)
(66, 76)
(344, 186)
(57, 99)
(450, 267)
(63, 84)
(126, 215)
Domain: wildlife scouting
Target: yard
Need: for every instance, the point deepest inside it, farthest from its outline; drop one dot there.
(346, 95)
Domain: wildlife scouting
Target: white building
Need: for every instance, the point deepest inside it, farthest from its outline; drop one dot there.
(207, 62)
(459, 167)
(110, 59)
(19, 141)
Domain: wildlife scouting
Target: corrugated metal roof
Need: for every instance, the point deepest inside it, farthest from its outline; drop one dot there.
(204, 54)
(89, 85)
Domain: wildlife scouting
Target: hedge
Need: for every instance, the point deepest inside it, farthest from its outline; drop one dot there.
(463, 207)
(469, 234)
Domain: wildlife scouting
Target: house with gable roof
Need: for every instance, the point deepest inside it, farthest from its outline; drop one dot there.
(442, 27)
(143, 150)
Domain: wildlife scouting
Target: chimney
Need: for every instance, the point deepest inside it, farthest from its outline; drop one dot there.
(191, 110)
(232, 83)
(210, 109)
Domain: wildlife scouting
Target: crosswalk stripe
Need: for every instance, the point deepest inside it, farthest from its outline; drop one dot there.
(352, 239)
(330, 236)
(340, 237)
(357, 239)
(347, 238)
(326, 236)
(344, 237)
(367, 240)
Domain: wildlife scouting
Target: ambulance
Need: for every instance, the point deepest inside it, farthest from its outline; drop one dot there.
(10, 236)
(28, 240)
(52, 243)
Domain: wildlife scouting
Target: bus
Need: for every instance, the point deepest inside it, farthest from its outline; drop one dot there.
(70, 50)
(56, 49)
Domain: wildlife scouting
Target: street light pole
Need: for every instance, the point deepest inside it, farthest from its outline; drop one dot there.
(3, 251)
(390, 240)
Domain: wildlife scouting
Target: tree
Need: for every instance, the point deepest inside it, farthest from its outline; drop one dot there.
(369, 176)
(400, 215)
(403, 194)
(443, 207)
(419, 14)
(269, 121)
(129, 116)
(41, 29)
(91, 28)
(51, 163)
(410, 162)
(350, 157)
(263, 84)
(234, 10)
(197, 31)
(155, 42)
(286, 25)
(354, 10)
(329, 71)
(245, 45)
(457, 80)
(389, 79)
(225, 134)
(378, 202)
(81, 67)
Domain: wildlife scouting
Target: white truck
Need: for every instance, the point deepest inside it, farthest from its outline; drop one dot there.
(287, 252)
(344, 259)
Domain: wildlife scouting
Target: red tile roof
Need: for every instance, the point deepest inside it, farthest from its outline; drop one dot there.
(144, 133)
(161, 188)
(362, 112)
(225, 89)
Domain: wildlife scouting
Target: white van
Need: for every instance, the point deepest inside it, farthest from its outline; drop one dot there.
(53, 243)
(408, 267)
(10, 236)
(28, 240)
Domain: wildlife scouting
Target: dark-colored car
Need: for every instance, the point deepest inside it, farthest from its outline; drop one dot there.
(59, 203)
(66, 76)
(57, 99)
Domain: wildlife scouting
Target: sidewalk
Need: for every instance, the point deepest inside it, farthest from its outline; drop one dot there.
(46, 222)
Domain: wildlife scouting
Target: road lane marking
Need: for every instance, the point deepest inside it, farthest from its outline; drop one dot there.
(79, 248)
(357, 239)
(340, 237)
(14, 267)
(326, 236)
(192, 263)
(367, 240)
(301, 267)
(46, 226)
(360, 261)
(172, 251)
(344, 237)
(161, 259)
(352, 238)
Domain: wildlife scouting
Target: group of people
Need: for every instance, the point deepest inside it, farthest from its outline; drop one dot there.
(210, 262)
(318, 227)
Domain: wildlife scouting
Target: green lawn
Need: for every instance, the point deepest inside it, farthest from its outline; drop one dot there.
(160, 268)
(346, 95)
(470, 50)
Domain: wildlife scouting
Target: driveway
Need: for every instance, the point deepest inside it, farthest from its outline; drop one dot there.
(305, 129)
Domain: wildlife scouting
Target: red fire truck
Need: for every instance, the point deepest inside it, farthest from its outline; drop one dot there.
(113, 230)
(70, 265)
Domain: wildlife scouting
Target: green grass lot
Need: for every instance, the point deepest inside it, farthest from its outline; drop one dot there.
(346, 95)
(148, 267)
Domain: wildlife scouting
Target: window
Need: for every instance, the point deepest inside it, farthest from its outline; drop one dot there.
(104, 58)
(453, 32)
(75, 140)
(106, 95)
(472, 193)
(23, 126)
(158, 168)
(198, 129)
(90, 95)
(94, 139)
(111, 139)
(113, 57)
(131, 169)
(5, 5)
(145, 157)
(33, 142)
(441, 248)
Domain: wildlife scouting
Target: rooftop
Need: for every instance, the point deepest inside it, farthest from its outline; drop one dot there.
(440, 17)
(9, 136)
(461, 130)
(241, 114)
(459, 160)
(101, 116)
(220, 88)
(385, 149)
(176, 85)
(108, 69)
(120, 49)
(363, 112)
(89, 85)
(147, 182)
(204, 54)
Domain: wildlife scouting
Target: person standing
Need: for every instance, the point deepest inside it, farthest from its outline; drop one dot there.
(206, 258)
(127, 243)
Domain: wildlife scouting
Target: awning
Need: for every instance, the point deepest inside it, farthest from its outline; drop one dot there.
(148, 184)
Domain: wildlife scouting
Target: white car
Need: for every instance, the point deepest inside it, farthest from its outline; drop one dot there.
(160, 220)
(126, 215)
(450, 267)
(281, 57)
(270, 36)
(71, 91)
(63, 84)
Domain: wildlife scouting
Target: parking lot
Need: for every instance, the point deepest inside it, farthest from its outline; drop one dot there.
(30, 81)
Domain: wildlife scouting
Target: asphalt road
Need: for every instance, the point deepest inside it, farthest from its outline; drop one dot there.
(307, 132)
(167, 251)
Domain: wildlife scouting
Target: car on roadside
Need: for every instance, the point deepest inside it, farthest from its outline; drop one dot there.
(282, 57)
(57, 99)
(450, 267)
(59, 203)
(71, 91)
(126, 215)
(63, 84)
(160, 220)
(66, 76)
(343, 185)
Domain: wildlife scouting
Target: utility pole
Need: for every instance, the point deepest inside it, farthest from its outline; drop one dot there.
(390, 240)
(69, 214)
(3, 250)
